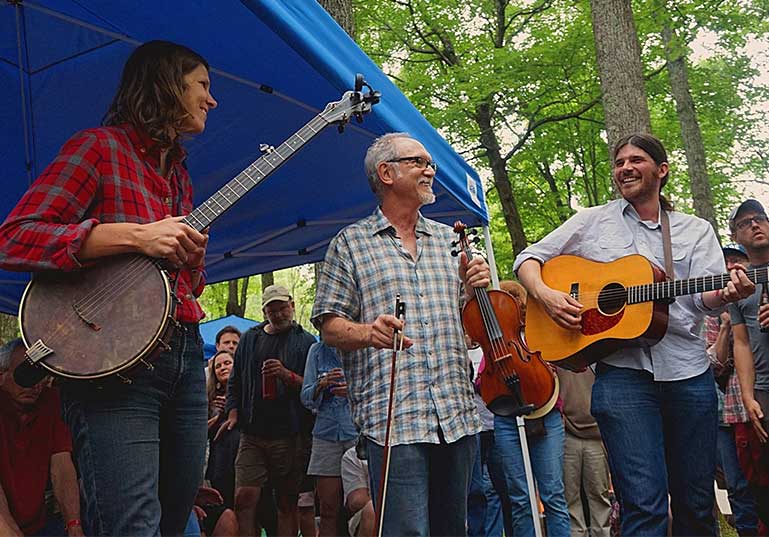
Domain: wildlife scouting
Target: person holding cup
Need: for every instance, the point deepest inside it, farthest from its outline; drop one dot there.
(324, 391)
(274, 426)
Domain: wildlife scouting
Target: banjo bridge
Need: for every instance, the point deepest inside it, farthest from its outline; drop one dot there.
(92, 325)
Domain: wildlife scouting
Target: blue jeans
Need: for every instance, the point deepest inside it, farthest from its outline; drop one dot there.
(140, 446)
(426, 488)
(661, 439)
(546, 454)
(740, 497)
(484, 508)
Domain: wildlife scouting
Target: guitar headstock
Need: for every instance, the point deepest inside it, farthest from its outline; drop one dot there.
(353, 103)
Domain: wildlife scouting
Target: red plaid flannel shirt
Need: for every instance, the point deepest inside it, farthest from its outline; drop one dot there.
(733, 411)
(101, 175)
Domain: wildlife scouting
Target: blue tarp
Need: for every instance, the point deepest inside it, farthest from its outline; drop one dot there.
(209, 329)
(275, 65)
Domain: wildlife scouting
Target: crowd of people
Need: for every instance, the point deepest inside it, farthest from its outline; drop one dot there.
(280, 427)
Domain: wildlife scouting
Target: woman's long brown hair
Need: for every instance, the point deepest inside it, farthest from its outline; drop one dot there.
(151, 87)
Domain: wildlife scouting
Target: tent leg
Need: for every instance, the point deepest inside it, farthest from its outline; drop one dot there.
(492, 262)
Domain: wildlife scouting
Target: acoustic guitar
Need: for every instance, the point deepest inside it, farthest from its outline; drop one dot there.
(119, 314)
(625, 304)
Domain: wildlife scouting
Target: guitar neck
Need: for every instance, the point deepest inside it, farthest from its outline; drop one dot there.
(670, 289)
(211, 209)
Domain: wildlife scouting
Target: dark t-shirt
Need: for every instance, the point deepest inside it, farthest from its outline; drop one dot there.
(284, 415)
(746, 312)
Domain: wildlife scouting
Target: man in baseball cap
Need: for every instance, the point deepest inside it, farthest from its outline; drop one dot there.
(749, 205)
(750, 228)
(263, 400)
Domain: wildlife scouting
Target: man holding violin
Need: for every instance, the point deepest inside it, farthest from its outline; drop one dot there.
(394, 251)
(652, 403)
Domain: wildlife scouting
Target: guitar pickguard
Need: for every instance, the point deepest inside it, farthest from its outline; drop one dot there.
(595, 322)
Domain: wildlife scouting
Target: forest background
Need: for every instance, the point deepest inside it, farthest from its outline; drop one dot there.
(533, 93)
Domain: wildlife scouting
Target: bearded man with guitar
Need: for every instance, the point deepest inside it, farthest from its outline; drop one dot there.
(120, 189)
(654, 397)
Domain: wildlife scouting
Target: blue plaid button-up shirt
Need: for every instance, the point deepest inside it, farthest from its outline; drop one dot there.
(365, 266)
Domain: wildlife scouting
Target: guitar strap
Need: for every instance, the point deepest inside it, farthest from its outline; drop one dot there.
(667, 246)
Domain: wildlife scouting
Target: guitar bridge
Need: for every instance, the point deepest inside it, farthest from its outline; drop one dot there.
(38, 351)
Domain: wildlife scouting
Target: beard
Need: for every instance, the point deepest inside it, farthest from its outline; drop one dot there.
(427, 198)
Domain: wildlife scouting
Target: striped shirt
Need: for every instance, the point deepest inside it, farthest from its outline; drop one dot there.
(101, 175)
(365, 266)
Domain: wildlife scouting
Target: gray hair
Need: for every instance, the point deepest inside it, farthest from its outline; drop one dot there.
(382, 150)
(6, 351)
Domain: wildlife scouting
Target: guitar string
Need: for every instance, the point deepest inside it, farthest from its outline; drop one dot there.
(653, 289)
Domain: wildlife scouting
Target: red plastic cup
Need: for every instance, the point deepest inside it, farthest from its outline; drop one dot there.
(269, 388)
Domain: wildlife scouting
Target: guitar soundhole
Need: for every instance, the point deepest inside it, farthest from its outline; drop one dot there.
(611, 299)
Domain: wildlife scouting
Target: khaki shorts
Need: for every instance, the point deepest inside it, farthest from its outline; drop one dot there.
(280, 460)
(354, 523)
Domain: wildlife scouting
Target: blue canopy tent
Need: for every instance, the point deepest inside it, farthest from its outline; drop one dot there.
(275, 65)
(209, 329)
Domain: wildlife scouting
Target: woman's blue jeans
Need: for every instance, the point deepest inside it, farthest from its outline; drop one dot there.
(546, 454)
(661, 439)
(139, 447)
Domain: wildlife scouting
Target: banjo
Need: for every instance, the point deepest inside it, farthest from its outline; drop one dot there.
(98, 322)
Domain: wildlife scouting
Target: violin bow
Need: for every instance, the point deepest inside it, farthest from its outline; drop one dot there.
(400, 313)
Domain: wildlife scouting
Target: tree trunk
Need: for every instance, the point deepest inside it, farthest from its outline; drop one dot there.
(268, 279)
(618, 56)
(341, 10)
(501, 181)
(236, 305)
(691, 135)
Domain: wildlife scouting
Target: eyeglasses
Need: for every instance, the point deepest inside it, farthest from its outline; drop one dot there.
(419, 162)
(745, 222)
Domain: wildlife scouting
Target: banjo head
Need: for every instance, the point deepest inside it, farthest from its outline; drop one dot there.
(99, 320)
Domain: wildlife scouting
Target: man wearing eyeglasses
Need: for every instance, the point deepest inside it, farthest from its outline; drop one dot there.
(396, 250)
(750, 318)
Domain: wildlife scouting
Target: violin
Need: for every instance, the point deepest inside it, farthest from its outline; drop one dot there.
(516, 380)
